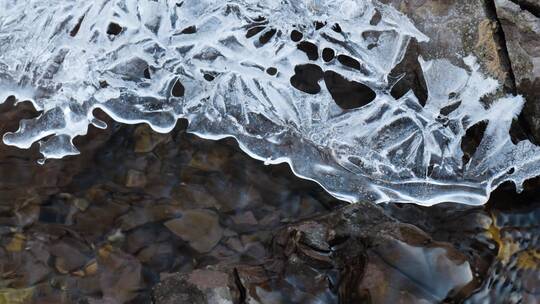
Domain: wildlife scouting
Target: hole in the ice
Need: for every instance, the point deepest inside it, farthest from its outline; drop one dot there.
(520, 130)
(319, 25)
(259, 19)
(252, 65)
(471, 140)
(443, 120)
(411, 76)
(450, 108)
(296, 36)
(371, 36)
(328, 54)
(208, 77)
(376, 18)
(152, 105)
(523, 126)
(431, 167)
(189, 30)
(310, 49)
(177, 89)
(179, 4)
(77, 27)
(512, 170)
(103, 84)
(506, 197)
(360, 163)
(265, 37)
(346, 93)
(271, 71)
(23, 110)
(336, 28)
(208, 54)
(146, 73)
(254, 31)
(306, 78)
(452, 95)
(401, 88)
(349, 61)
(114, 29)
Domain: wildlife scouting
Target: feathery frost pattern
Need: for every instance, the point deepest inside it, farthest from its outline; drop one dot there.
(267, 73)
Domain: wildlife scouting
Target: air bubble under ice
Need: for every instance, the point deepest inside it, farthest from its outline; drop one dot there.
(259, 71)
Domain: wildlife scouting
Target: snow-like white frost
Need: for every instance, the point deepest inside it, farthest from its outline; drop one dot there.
(229, 68)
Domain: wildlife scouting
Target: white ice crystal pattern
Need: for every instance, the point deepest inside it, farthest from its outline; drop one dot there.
(269, 73)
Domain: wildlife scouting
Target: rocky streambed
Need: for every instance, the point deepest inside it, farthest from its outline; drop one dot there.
(175, 219)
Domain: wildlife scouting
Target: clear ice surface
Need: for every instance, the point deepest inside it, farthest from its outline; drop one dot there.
(233, 69)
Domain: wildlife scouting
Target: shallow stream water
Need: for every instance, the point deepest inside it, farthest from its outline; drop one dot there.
(143, 207)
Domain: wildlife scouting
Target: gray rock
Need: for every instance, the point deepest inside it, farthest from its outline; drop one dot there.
(201, 286)
(522, 34)
(456, 29)
(532, 6)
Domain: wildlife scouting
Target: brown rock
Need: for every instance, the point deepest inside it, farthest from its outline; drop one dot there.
(68, 255)
(245, 218)
(120, 275)
(27, 215)
(200, 228)
(194, 196)
(81, 203)
(16, 296)
(489, 51)
(91, 268)
(207, 279)
(146, 139)
(159, 256)
(98, 220)
(17, 243)
(235, 244)
(135, 178)
(149, 213)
